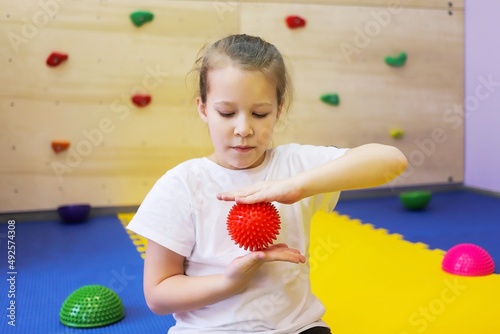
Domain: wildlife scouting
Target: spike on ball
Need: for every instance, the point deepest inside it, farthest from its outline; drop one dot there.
(253, 226)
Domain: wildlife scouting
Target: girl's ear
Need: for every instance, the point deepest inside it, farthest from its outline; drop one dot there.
(202, 109)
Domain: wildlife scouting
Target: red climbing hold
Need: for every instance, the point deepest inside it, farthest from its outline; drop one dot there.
(294, 22)
(56, 58)
(59, 146)
(141, 100)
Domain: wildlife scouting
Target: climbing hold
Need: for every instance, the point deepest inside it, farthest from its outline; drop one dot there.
(331, 99)
(59, 146)
(56, 58)
(141, 100)
(396, 61)
(294, 22)
(397, 133)
(141, 17)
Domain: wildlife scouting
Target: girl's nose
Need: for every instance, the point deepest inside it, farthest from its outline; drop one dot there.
(243, 127)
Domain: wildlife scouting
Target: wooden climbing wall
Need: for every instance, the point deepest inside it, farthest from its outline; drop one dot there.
(118, 150)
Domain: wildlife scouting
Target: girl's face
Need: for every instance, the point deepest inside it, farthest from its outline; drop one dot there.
(241, 111)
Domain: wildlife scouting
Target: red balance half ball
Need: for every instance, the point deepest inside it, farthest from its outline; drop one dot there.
(253, 226)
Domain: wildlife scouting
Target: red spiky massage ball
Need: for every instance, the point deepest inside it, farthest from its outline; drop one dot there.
(253, 226)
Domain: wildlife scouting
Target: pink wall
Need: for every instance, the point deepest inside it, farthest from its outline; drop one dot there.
(482, 94)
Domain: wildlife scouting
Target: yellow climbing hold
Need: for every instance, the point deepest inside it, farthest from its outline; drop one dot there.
(397, 133)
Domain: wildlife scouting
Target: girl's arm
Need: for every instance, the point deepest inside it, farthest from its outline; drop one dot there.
(365, 166)
(167, 289)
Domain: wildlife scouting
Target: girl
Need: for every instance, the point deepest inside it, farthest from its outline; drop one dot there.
(192, 268)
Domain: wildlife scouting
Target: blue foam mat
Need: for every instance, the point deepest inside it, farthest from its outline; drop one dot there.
(54, 259)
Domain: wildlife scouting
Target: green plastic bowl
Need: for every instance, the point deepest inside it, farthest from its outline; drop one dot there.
(415, 200)
(91, 306)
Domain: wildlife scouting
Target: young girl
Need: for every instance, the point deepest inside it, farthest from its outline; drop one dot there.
(192, 267)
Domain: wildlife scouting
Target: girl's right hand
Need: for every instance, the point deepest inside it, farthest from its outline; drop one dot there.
(242, 269)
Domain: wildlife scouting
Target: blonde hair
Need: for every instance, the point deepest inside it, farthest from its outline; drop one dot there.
(247, 53)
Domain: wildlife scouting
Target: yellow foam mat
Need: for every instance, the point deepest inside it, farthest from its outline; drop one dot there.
(373, 282)
(377, 283)
(139, 242)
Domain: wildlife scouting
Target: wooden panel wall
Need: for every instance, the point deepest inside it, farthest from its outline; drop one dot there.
(118, 150)
(343, 50)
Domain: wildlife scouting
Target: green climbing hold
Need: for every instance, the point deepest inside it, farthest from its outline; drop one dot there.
(141, 17)
(331, 99)
(396, 61)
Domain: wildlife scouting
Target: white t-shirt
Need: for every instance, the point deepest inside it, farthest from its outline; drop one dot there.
(182, 213)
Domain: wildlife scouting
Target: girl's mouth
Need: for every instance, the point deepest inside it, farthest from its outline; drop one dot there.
(242, 148)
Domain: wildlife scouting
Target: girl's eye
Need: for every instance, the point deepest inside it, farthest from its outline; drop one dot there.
(226, 114)
(256, 115)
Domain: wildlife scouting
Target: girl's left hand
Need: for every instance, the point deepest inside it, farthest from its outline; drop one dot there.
(283, 191)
